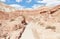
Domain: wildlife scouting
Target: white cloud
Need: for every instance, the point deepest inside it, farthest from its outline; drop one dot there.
(17, 6)
(52, 4)
(36, 6)
(49, 3)
(28, 1)
(18, 0)
(3, 0)
(39, 1)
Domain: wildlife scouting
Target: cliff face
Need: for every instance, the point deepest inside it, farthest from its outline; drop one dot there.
(40, 23)
(6, 8)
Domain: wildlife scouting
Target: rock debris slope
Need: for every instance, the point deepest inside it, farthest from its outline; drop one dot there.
(40, 23)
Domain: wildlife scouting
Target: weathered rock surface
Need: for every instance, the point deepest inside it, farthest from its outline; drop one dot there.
(40, 23)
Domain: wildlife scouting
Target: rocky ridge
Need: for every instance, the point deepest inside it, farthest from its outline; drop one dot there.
(40, 23)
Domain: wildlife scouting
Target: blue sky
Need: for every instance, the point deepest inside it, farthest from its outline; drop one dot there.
(30, 3)
(24, 2)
